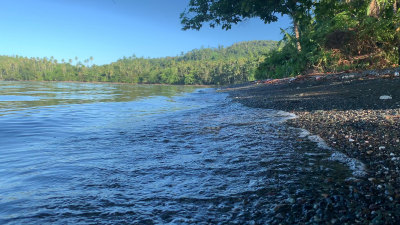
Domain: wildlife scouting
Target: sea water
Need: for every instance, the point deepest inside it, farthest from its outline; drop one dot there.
(78, 153)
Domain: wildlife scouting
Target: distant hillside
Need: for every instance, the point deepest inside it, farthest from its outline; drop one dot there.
(233, 64)
(238, 50)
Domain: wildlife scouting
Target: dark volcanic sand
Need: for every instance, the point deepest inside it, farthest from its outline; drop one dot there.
(347, 112)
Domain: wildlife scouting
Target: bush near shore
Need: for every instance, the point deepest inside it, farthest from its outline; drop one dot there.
(338, 36)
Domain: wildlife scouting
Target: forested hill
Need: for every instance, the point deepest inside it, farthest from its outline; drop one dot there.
(229, 65)
(238, 50)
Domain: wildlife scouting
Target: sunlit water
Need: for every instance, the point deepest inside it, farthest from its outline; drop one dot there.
(114, 154)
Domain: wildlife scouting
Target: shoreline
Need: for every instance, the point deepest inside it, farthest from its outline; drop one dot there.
(101, 82)
(353, 114)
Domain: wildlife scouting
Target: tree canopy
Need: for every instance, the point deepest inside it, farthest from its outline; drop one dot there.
(234, 64)
(326, 36)
(340, 36)
(228, 12)
(224, 13)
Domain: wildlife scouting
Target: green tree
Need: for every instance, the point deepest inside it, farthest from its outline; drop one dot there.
(220, 65)
(228, 12)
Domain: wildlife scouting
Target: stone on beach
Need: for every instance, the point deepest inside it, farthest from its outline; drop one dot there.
(385, 97)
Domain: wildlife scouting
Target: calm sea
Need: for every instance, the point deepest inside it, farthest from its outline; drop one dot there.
(74, 153)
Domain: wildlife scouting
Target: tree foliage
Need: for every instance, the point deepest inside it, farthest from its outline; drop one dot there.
(327, 35)
(339, 36)
(233, 64)
(228, 12)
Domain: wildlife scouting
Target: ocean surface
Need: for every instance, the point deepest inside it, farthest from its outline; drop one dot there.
(78, 153)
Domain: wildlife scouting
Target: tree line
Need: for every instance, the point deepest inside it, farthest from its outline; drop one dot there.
(326, 35)
(211, 66)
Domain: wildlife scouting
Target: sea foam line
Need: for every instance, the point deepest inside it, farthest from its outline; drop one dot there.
(357, 167)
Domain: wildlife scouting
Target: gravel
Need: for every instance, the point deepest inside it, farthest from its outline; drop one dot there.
(350, 114)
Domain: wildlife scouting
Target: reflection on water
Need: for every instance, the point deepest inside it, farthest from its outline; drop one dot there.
(20, 95)
(97, 153)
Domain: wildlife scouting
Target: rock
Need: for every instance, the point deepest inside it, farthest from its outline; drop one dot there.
(385, 97)
(290, 200)
(348, 77)
(382, 147)
(317, 219)
(279, 216)
(377, 220)
(279, 207)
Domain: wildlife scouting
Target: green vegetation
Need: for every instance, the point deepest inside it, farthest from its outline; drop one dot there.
(233, 64)
(327, 35)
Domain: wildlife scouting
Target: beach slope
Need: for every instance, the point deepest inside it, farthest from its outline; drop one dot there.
(357, 114)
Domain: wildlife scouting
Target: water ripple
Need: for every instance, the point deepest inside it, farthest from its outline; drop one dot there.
(195, 159)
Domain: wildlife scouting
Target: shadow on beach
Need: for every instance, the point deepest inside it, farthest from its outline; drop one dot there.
(323, 95)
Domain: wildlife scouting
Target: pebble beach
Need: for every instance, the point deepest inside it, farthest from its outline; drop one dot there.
(357, 114)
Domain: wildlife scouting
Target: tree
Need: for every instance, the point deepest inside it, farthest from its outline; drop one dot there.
(224, 13)
(233, 64)
(377, 9)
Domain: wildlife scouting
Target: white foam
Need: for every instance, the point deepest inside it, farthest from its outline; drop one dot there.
(320, 142)
(304, 133)
(357, 167)
(314, 138)
(314, 154)
(288, 115)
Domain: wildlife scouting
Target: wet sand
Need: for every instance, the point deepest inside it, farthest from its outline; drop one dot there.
(357, 114)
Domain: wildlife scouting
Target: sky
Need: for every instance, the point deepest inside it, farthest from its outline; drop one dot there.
(108, 30)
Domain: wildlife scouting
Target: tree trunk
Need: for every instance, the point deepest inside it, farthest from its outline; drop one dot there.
(395, 6)
(398, 53)
(297, 34)
(373, 9)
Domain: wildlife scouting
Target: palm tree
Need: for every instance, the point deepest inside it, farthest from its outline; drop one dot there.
(64, 69)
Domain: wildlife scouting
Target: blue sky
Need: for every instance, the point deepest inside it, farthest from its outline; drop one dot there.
(111, 29)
